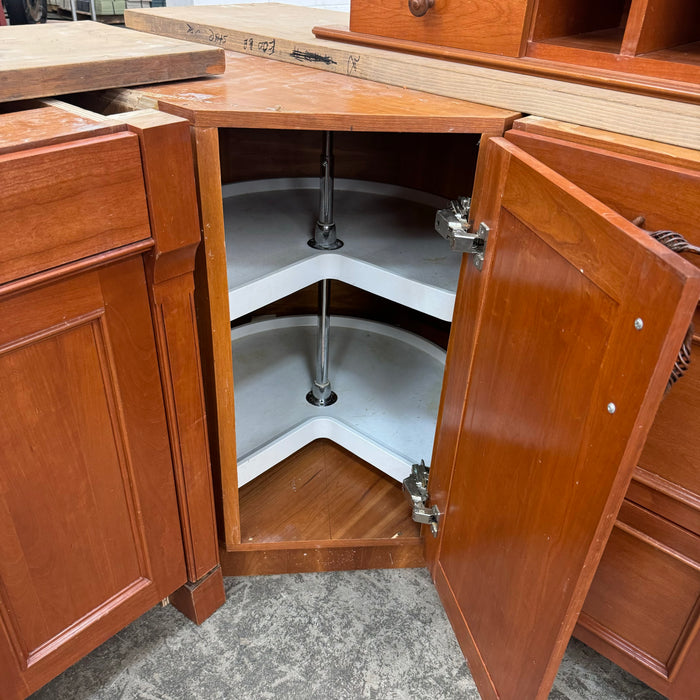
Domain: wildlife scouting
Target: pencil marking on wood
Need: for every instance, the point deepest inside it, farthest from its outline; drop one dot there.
(312, 57)
(353, 60)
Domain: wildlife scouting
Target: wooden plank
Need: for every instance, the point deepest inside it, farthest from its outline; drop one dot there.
(283, 32)
(40, 60)
(630, 145)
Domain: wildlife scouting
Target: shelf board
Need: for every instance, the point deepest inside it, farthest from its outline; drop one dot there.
(390, 246)
(324, 493)
(388, 383)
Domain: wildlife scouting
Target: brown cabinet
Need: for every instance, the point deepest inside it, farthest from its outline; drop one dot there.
(100, 441)
(559, 350)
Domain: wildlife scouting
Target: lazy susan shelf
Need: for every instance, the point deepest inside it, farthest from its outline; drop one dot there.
(390, 246)
(388, 383)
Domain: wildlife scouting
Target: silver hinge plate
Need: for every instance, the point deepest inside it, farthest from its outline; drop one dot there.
(415, 487)
(453, 225)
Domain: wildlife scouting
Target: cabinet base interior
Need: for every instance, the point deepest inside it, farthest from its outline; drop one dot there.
(323, 509)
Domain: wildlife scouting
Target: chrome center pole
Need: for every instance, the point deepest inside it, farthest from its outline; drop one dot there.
(324, 232)
(321, 393)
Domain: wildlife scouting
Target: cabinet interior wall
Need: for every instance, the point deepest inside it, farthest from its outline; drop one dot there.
(439, 164)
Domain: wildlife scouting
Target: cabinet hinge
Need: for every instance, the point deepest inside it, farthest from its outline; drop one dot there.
(415, 487)
(453, 224)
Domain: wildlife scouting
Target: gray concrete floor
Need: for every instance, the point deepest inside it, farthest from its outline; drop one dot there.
(341, 635)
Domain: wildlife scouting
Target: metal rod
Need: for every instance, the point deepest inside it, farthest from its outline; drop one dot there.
(324, 231)
(321, 393)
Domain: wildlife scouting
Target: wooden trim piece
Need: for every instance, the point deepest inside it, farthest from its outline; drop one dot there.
(167, 159)
(611, 141)
(75, 268)
(326, 555)
(588, 629)
(198, 600)
(211, 299)
(487, 689)
(674, 502)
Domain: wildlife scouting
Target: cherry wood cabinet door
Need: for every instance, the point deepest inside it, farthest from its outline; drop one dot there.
(574, 325)
(89, 529)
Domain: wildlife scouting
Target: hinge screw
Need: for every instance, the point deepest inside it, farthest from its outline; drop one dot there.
(612, 408)
(638, 324)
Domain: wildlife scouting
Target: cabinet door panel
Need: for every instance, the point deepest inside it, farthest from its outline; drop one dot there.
(87, 505)
(562, 389)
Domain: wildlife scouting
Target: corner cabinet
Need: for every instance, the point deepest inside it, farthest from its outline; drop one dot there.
(559, 346)
(100, 390)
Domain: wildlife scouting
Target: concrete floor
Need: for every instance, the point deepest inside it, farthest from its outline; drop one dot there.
(342, 635)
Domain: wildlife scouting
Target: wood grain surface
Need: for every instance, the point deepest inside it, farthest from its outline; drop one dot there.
(323, 492)
(41, 60)
(45, 126)
(660, 24)
(282, 32)
(643, 608)
(80, 382)
(64, 202)
(323, 509)
(498, 27)
(257, 93)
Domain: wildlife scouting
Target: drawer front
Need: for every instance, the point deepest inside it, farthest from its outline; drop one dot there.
(644, 602)
(65, 202)
(496, 27)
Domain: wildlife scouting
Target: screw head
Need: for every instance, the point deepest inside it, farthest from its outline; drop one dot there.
(612, 408)
(638, 324)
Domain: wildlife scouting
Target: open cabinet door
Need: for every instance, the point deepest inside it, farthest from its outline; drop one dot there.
(558, 362)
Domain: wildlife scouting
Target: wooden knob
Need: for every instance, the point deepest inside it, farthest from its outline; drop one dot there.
(419, 7)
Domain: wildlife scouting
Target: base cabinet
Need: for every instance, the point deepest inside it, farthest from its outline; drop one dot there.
(565, 280)
(96, 435)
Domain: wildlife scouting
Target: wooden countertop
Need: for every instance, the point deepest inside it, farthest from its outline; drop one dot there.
(258, 93)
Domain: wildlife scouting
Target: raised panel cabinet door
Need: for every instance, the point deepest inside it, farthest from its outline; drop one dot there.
(89, 528)
(578, 321)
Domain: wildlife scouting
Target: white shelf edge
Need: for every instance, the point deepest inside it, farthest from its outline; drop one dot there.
(340, 265)
(369, 447)
(258, 462)
(430, 300)
(276, 184)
